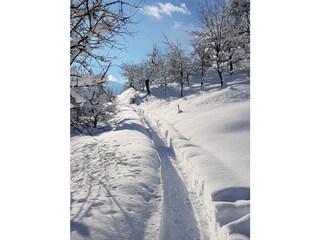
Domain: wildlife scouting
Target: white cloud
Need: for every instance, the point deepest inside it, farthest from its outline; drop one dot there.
(164, 8)
(112, 78)
(177, 25)
(184, 27)
(116, 79)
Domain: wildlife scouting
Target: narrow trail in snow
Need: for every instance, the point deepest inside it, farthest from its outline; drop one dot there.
(178, 220)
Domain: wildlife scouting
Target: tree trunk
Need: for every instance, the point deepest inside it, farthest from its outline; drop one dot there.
(231, 68)
(181, 87)
(221, 77)
(202, 75)
(131, 85)
(231, 63)
(95, 123)
(147, 86)
(165, 88)
(181, 81)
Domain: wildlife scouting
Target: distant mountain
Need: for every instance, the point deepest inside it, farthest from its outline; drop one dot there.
(116, 87)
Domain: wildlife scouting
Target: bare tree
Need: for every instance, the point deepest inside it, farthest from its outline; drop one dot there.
(225, 34)
(156, 65)
(177, 63)
(130, 71)
(214, 32)
(95, 28)
(202, 58)
(239, 24)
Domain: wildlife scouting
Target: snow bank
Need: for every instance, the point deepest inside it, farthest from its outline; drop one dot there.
(115, 183)
(210, 137)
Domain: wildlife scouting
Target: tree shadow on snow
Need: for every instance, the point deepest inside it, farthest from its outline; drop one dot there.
(91, 201)
(212, 82)
(82, 229)
(132, 126)
(90, 131)
(232, 194)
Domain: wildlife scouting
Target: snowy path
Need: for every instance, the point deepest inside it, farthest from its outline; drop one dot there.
(217, 207)
(154, 177)
(178, 220)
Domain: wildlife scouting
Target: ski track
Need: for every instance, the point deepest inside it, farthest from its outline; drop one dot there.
(182, 215)
(175, 185)
(179, 218)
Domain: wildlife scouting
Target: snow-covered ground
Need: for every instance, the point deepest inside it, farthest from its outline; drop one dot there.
(115, 183)
(164, 172)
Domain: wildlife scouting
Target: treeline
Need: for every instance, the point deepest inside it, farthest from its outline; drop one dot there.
(222, 43)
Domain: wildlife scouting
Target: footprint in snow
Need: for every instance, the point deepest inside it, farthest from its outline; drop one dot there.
(111, 212)
(97, 204)
(88, 215)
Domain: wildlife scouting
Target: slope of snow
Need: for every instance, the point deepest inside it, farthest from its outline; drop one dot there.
(209, 134)
(115, 183)
(171, 168)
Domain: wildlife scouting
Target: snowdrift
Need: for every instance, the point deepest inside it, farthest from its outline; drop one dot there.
(212, 152)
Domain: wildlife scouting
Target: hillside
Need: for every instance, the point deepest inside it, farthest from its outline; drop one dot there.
(171, 168)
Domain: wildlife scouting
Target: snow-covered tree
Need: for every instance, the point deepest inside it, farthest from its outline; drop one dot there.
(130, 70)
(152, 62)
(95, 28)
(158, 66)
(146, 75)
(225, 35)
(176, 63)
(214, 34)
(201, 58)
(188, 68)
(136, 75)
(153, 70)
(89, 102)
(163, 68)
(239, 23)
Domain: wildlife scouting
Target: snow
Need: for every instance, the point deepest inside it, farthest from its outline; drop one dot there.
(171, 168)
(115, 183)
(178, 217)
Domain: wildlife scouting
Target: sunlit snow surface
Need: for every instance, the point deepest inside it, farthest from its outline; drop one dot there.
(164, 173)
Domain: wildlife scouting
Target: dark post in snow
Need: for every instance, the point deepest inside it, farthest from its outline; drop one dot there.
(147, 86)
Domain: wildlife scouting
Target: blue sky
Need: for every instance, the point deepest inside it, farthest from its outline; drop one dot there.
(157, 17)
